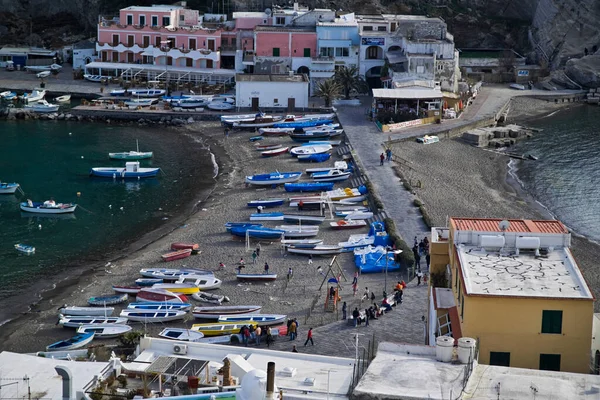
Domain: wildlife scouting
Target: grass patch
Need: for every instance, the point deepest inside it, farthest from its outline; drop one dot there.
(405, 258)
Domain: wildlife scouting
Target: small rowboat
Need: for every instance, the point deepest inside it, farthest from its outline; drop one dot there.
(256, 138)
(159, 306)
(258, 232)
(153, 315)
(304, 219)
(63, 99)
(256, 277)
(105, 331)
(301, 243)
(23, 248)
(85, 311)
(358, 215)
(77, 321)
(299, 231)
(274, 216)
(274, 152)
(171, 274)
(208, 298)
(47, 208)
(331, 176)
(147, 281)
(222, 328)
(273, 178)
(161, 295)
(308, 187)
(76, 342)
(185, 288)
(266, 202)
(275, 131)
(184, 335)
(177, 255)
(215, 312)
(322, 249)
(108, 300)
(127, 289)
(131, 155)
(185, 246)
(8, 188)
(247, 225)
(314, 157)
(351, 224)
(202, 282)
(267, 146)
(260, 319)
(317, 149)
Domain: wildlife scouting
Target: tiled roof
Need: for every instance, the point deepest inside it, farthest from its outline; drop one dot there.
(516, 225)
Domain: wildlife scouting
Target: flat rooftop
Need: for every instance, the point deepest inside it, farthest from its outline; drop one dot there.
(515, 225)
(157, 7)
(270, 78)
(407, 93)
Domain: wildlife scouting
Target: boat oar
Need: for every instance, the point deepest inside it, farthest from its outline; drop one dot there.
(21, 190)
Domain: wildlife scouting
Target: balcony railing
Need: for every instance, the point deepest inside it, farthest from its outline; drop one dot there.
(323, 59)
(229, 47)
(248, 57)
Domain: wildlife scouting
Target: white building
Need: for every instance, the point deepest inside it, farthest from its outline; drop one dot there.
(272, 91)
(84, 52)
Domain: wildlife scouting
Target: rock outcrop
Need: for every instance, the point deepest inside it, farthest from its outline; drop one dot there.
(585, 71)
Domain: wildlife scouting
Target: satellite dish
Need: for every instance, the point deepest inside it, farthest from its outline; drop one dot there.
(268, 11)
(504, 225)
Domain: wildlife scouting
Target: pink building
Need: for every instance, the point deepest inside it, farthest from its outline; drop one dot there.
(281, 49)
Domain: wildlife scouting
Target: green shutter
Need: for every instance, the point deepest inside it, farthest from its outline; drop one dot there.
(275, 51)
(306, 52)
(552, 321)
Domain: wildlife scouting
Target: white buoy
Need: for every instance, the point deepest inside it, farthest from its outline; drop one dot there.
(121, 208)
(110, 206)
(70, 133)
(40, 226)
(82, 157)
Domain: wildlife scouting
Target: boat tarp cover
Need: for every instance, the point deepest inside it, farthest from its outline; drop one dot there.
(375, 261)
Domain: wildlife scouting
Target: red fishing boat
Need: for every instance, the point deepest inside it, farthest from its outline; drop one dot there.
(185, 246)
(348, 224)
(274, 152)
(177, 255)
(127, 289)
(145, 295)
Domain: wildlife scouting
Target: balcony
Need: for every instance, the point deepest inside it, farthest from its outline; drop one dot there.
(248, 59)
(201, 54)
(323, 60)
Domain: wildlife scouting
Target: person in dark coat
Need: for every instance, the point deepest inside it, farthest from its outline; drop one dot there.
(355, 315)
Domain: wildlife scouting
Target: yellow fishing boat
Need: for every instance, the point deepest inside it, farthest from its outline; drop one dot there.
(222, 328)
(183, 288)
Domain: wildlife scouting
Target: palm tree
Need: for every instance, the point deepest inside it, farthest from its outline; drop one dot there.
(349, 79)
(328, 90)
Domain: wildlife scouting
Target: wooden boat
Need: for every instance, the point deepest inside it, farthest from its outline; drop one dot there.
(275, 131)
(63, 99)
(177, 255)
(161, 295)
(48, 207)
(215, 312)
(302, 243)
(146, 316)
(240, 117)
(344, 208)
(351, 224)
(94, 78)
(331, 176)
(75, 321)
(304, 219)
(304, 123)
(132, 170)
(35, 95)
(267, 146)
(274, 152)
(40, 68)
(208, 298)
(191, 103)
(299, 231)
(147, 281)
(358, 215)
(256, 277)
(185, 288)
(260, 319)
(230, 225)
(185, 246)
(171, 273)
(256, 138)
(273, 178)
(107, 300)
(23, 248)
(135, 103)
(62, 354)
(222, 328)
(202, 282)
(105, 331)
(257, 232)
(311, 205)
(341, 165)
(307, 136)
(305, 150)
(322, 157)
(76, 342)
(180, 334)
(41, 106)
(273, 216)
(308, 187)
(127, 289)
(87, 311)
(159, 306)
(322, 250)
(273, 202)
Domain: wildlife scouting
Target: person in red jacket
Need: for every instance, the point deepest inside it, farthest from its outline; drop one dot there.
(309, 337)
(381, 159)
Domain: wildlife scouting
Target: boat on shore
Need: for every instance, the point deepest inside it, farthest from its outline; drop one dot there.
(273, 178)
(275, 131)
(304, 219)
(302, 123)
(308, 187)
(135, 103)
(350, 224)
(176, 255)
(87, 311)
(220, 105)
(215, 312)
(107, 300)
(272, 202)
(357, 214)
(333, 175)
(146, 316)
(260, 319)
(275, 152)
(181, 334)
(185, 288)
(63, 99)
(147, 281)
(299, 231)
(210, 298)
(185, 246)
(340, 165)
(267, 146)
(131, 170)
(172, 274)
(222, 328)
(159, 306)
(126, 289)
(138, 92)
(41, 68)
(247, 225)
(256, 277)
(301, 243)
(103, 331)
(23, 248)
(256, 122)
(159, 295)
(76, 321)
(257, 232)
(95, 78)
(240, 117)
(356, 242)
(273, 216)
(319, 250)
(76, 342)
(321, 157)
(306, 150)
(48, 207)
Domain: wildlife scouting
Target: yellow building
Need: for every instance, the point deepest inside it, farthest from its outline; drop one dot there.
(515, 286)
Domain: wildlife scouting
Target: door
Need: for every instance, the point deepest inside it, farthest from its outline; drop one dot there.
(189, 62)
(115, 40)
(104, 56)
(130, 58)
(307, 52)
(211, 44)
(209, 64)
(192, 44)
(157, 42)
(291, 104)
(130, 39)
(255, 104)
(115, 56)
(146, 41)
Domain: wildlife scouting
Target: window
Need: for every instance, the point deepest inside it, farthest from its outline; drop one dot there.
(275, 101)
(233, 41)
(275, 51)
(211, 44)
(367, 28)
(157, 42)
(182, 18)
(499, 358)
(224, 41)
(169, 60)
(147, 60)
(130, 57)
(155, 20)
(115, 56)
(382, 28)
(166, 21)
(552, 321)
(209, 63)
(115, 40)
(342, 52)
(192, 44)
(440, 67)
(550, 362)
(129, 19)
(279, 20)
(145, 41)
(130, 40)
(392, 26)
(326, 51)
(420, 69)
(172, 43)
(189, 62)
(306, 52)
(373, 53)
(142, 20)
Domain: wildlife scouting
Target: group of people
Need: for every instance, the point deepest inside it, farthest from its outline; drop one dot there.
(376, 310)
(385, 157)
(421, 250)
(255, 255)
(250, 333)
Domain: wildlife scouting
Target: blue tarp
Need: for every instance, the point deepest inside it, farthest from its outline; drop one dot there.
(375, 261)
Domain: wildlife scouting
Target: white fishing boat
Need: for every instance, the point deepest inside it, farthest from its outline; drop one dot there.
(146, 316)
(239, 117)
(356, 242)
(339, 165)
(333, 175)
(257, 122)
(299, 231)
(95, 78)
(209, 298)
(275, 131)
(307, 150)
(138, 92)
(203, 282)
(220, 105)
(8, 188)
(23, 248)
(41, 68)
(41, 106)
(63, 99)
(215, 312)
(85, 311)
(8, 95)
(322, 127)
(48, 207)
(181, 334)
(190, 103)
(171, 273)
(103, 331)
(43, 74)
(359, 215)
(134, 103)
(159, 306)
(77, 321)
(301, 242)
(319, 250)
(35, 95)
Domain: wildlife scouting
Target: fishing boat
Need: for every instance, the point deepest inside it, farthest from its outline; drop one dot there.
(299, 231)
(333, 175)
(267, 146)
(304, 123)
(172, 274)
(304, 219)
(75, 321)
(185, 288)
(256, 138)
(350, 224)
(305, 137)
(147, 316)
(274, 152)
(76, 342)
(257, 232)
(94, 78)
(177, 255)
(43, 74)
(23, 248)
(62, 354)
(321, 127)
(220, 105)
(35, 95)
(240, 117)
(202, 282)
(319, 250)
(107, 300)
(160, 295)
(87, 311)
(127, 289)
(48, 207)
(305, 150)
(185, 246)
(103, 331)
(215, 312)
(344, 193)
(257, 122)
(322, 157)
(8, 95)
(272, 202)
(308, 187)
(273, 216)
(358, 215)
(190, 103)
(260, 319)
(135, 103)
(147, 281)
(181, 334)
(222, 328)
(159, 306)
(230, 225)
(273, 178)
(256, 277)
(315, 142)
(324, 132)
(41, 68)
(340, 165)
(41, 106)
(63, 99)
(132, 170)
(302, 243)
(138, 92)
(316, 205)
(356, 242)
(275, 131)
(209, 298)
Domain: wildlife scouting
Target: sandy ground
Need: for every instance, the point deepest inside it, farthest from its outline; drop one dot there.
(458, 180)
(300, 297)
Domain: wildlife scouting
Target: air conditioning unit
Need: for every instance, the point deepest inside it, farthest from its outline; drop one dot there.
(180, 349)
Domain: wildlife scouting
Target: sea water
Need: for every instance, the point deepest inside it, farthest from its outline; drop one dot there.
(566, 177)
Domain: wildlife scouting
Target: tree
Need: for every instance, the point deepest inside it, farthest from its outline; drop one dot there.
(349, 80)
(328, 90)
(131, 339)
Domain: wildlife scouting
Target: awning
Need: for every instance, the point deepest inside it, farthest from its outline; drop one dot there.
(407, 93)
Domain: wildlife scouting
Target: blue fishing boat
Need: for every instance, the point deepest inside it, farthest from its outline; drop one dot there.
(308, 187)
(256, 138)
(322, 157)
(75, 342)
(8, 188)
(302, 124)
(261, 233)
(266, 203)
(273, 178)
(230, 225)
(131, 170)
(108, 300)
(147, 281)
(274, 216)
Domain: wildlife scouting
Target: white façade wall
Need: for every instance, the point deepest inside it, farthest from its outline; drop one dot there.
(271, 94)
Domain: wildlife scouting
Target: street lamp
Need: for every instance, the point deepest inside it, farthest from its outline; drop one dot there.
(387, 252)
(166, 48)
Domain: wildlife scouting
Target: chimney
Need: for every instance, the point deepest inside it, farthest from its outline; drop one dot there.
(226, 372)
(296, 6)
(270, 378)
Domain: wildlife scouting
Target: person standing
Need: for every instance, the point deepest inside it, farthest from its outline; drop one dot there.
(419, 276)
(258, 250)
(427, 260)
(355, 315)
(309, 337)
(269, 336)
(310, 259)
(258, 333)
(254, 255)
(293, 330)
(381, 159)
(266, 268)
(290, 273)
(344, 309)
(388, 154)
(366, 317)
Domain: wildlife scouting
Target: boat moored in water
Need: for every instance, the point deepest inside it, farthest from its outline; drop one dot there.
(48, 207)
(131, 170)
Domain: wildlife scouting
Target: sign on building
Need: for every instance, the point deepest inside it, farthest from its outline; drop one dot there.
(523, 72)
(368, 41)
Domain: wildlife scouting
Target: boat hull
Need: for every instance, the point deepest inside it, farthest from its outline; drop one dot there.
(221, 328)
(308, 187)
(83, 311)
(213, 313)
(177, 255)
(75, 342)
(38, 208)
(316, 251)
(266, 203)
(260, 319)
(152, 315)
(185, 246)
(105, 332)
(179, 334)
(256, 277)
(275, 152)
(102, 172)
(107, 300)
(273, 178)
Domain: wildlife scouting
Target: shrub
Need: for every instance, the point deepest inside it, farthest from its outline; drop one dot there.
(417, 203)
(122, 381)
(405, 258)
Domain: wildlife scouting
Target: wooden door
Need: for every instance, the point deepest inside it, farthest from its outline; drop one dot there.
(130, 57)
(291, 104)
(211, 44)
(157, 42)
(255, 104)
(209, 63)
(192, 44)
(115, 40)
(189, 62)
